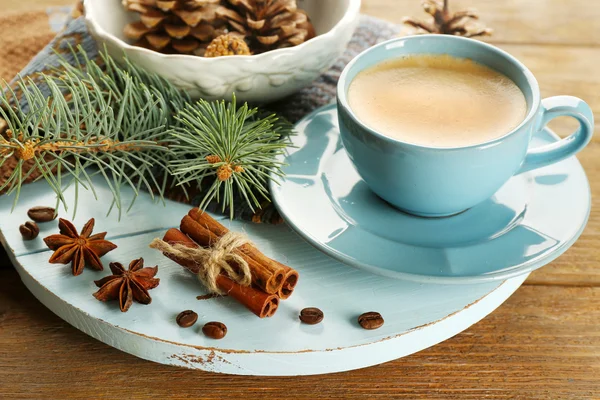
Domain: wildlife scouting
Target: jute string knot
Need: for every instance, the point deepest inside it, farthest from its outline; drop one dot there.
(214, 260)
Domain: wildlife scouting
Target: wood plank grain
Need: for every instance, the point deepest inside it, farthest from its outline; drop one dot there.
(23, 36)
(27, 5)
(542, 343)
(575, 22)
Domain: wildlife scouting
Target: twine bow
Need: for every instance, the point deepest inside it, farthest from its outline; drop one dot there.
(214, 260)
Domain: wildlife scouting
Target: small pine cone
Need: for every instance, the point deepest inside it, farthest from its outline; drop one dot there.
(213, 159)
(461, 23)
(227, 45)
(224, 172)
(27, 152)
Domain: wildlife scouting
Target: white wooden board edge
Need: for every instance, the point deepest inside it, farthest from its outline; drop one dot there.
(271, 363)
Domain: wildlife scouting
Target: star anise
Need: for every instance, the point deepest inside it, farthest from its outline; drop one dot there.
(79, 250)
(460, 23)
(127, 285)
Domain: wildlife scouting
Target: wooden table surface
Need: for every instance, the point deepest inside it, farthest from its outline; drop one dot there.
(543, 343)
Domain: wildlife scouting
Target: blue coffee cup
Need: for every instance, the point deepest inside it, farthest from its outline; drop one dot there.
(436, 182)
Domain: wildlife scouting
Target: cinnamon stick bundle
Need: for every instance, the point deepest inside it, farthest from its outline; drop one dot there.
(268, 274)
(206, 238)
(257, 301)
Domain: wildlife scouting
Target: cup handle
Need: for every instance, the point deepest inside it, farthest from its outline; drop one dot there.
(559, 106)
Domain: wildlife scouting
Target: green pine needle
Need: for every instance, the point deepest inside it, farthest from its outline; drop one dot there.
(235, 148)
(136, 129)
(112, 125)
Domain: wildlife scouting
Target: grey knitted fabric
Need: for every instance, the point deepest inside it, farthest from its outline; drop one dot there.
(321, 92)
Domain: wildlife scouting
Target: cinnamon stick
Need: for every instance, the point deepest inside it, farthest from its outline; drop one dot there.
(290, 281)
(260, 303)
(257, 301)
(267, 276)
(175, 236)
(272, 268)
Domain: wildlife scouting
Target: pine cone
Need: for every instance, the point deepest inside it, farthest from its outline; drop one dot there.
(268, 24)
(227, 45)
(460, 23)
(174, 26)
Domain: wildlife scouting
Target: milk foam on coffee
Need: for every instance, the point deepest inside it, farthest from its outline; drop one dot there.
(437, 101)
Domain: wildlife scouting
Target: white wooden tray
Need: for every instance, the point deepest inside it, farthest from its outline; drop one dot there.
(416, 315)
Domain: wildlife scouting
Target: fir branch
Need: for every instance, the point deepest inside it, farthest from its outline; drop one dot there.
(234, 147)
(136, 129)
(112, 76)
(112, 122)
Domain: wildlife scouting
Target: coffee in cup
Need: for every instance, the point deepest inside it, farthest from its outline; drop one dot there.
(437, 100)
(433, 162)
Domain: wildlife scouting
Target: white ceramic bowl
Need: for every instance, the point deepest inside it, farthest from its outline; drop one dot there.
(259, 78)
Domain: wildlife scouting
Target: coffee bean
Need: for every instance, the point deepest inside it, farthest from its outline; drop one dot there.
(311, 315)
(370, 320)
(187, 318)
(29, 230)
(215, 330)
(42, 214)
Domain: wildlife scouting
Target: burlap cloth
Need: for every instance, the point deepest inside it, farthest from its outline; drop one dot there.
(25, 42)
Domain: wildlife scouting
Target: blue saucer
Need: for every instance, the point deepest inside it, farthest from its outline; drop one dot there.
(531, 220)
